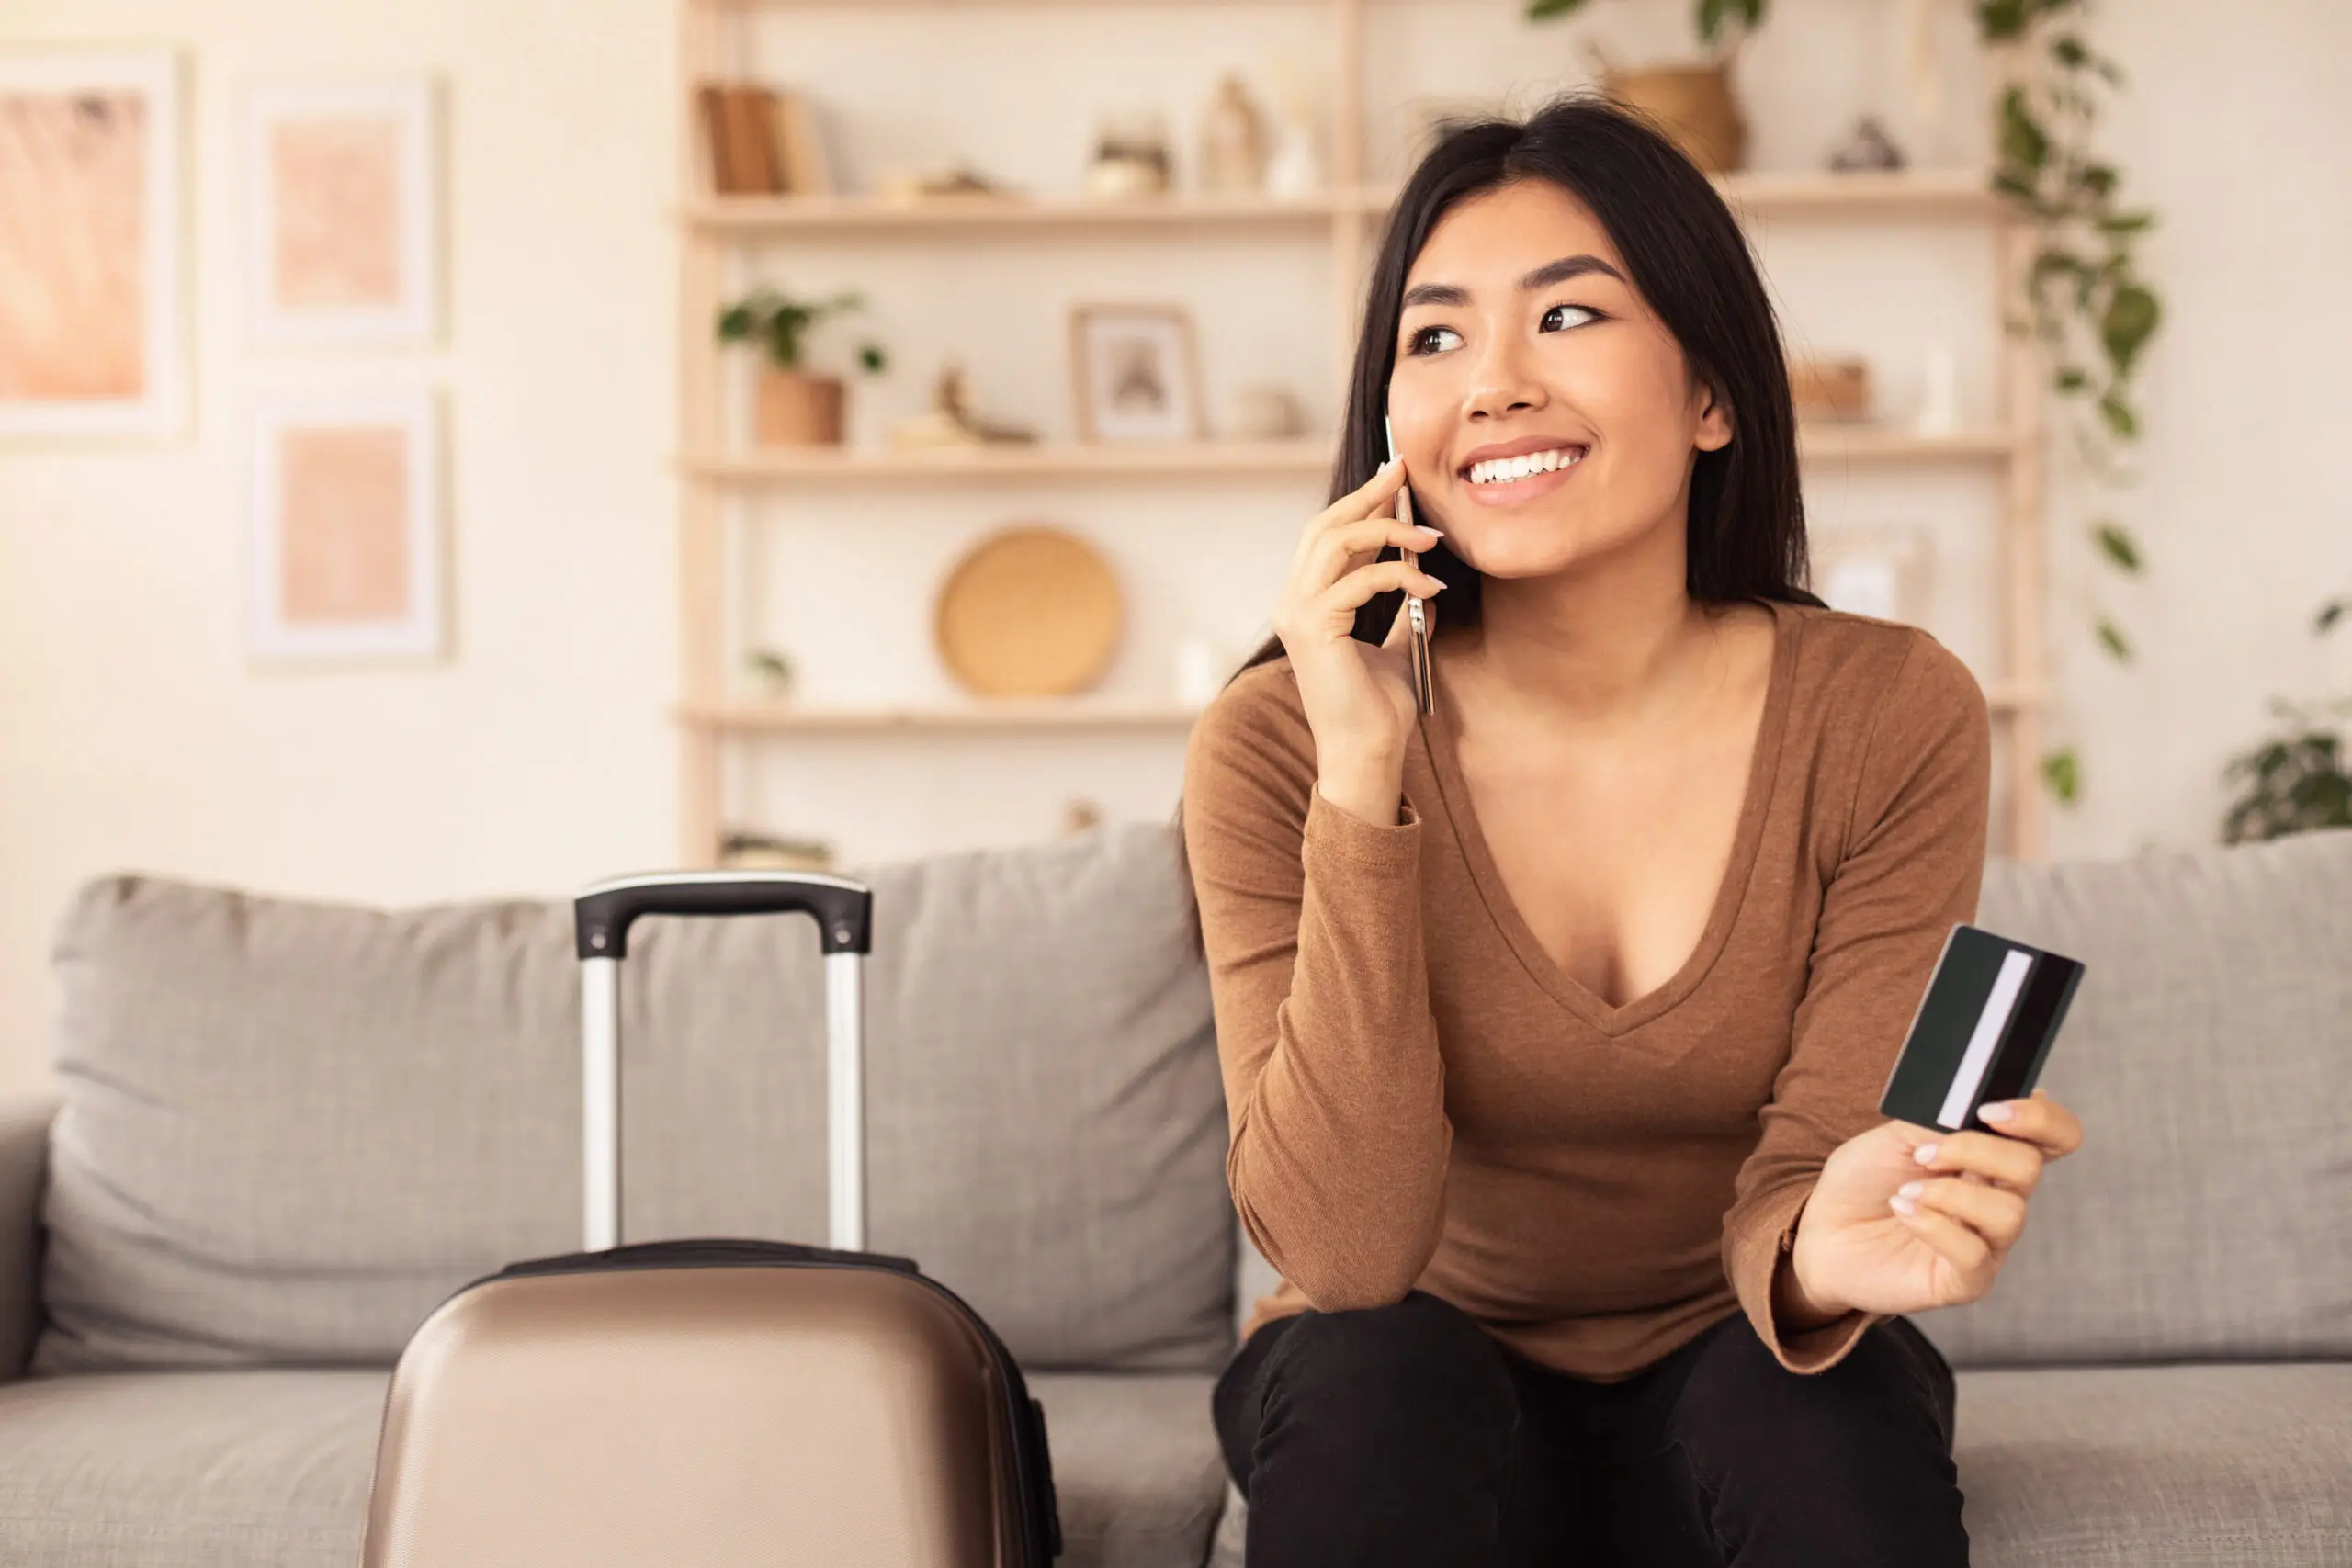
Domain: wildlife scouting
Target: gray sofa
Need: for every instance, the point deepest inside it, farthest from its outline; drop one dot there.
(285, 1129)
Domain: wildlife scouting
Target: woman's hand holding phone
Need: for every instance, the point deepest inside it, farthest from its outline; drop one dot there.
(1359, 698)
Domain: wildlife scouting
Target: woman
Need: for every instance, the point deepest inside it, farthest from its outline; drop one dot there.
(1552, 1023)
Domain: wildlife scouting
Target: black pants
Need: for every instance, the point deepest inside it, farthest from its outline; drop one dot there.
(1407, 1435)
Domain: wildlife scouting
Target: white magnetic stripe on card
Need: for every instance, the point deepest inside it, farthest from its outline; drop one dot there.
(1978, 1058)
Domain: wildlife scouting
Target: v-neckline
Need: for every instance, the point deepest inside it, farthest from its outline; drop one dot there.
(1439, 739)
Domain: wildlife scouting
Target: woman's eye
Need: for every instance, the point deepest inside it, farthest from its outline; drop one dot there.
(1579, 311)
(1420, 339)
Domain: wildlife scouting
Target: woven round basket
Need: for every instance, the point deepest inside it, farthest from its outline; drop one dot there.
(1031, 611)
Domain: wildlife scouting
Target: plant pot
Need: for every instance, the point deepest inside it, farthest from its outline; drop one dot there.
(1693, 103)
(796, 408)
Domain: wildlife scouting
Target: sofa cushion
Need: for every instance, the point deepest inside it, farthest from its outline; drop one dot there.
(266, 1469)
(2213, 1466)
(2209, 1053)
(271, 1469)
(2119, 1467)
(290, 1128)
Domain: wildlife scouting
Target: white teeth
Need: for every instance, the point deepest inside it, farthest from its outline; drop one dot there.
(1502, 470)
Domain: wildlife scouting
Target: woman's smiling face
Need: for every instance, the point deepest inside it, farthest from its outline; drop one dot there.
(1524, 346)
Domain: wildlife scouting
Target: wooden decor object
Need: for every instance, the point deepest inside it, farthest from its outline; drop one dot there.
(1830, 389)
(1693, 104)
(1030, 612)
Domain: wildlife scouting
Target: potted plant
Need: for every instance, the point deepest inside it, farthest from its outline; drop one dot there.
(1693, 102)
(2298, 779)
(796, 407)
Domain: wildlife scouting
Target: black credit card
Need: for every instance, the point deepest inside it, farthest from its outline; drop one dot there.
(1983, 1029)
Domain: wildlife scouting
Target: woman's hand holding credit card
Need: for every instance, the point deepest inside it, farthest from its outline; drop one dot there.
(1921, 1211)
(1359, 698)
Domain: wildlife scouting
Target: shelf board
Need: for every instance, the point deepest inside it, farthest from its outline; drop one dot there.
(2007, 697)
(1952, 192)
(1860, 443)
(1043, 460)
(1062, 713)
(804, 214)
(1892, 443)
(1001, 714)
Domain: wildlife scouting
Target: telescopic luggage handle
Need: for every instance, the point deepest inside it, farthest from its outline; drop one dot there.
(601, 915)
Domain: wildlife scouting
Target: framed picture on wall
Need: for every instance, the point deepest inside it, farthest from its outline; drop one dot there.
(90, 288)
(1136, 373)
(342, 213)
(345, 545)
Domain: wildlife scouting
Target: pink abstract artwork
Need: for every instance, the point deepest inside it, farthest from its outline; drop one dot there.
(74, 255)
(338, 202)
(343, 525)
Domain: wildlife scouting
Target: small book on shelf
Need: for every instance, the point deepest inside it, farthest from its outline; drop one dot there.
(763, 141)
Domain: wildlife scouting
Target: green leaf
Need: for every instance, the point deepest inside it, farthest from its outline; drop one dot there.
(2329, 613)
(2022, 138)
(2098, 179)
(1539, 10)
(2119, 416)
(2062, 772)
(1710, 17)
(2071, 379)
(2000, 19)
(2068, 51)
(2110, 637)
(2117, 224)
(2118, 545)
(870, 354)
(2130, 320)
(735, 323)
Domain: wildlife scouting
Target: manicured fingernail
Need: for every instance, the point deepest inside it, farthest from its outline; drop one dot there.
(2000, 1111)
(1912, 1189)
(1432, 533)
(1901, 1205)
(1390, 463)
(1924, 1153)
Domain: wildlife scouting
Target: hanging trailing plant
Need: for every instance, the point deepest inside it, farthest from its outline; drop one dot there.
(2085, 300)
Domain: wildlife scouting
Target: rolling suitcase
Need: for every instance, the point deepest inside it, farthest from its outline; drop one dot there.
(712, 1403)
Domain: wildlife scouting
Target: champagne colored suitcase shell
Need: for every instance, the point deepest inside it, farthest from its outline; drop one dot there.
(712, 1403)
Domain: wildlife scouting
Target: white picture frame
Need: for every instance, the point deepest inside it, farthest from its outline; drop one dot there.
(91, 212)
(343, 213)
(1136, 373)
(345, 552)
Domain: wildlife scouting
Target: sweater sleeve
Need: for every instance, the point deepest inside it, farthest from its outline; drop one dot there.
(1912, 867)
(1311, 925)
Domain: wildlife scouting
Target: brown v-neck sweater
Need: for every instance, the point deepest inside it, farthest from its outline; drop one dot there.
(1418, 1096)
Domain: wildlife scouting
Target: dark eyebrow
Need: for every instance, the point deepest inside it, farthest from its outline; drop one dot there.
(1543, 277)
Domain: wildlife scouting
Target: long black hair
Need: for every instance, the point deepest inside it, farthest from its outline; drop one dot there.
(1686, 254)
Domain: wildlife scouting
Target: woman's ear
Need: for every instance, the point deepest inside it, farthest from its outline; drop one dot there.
(1714, 420)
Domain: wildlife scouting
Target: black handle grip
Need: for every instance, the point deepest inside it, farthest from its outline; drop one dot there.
(844, 909)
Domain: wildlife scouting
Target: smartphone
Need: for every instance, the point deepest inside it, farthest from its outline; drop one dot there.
(1424, 689)
(1982, 1031)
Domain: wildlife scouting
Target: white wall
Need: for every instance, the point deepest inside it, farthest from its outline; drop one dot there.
(132, 734)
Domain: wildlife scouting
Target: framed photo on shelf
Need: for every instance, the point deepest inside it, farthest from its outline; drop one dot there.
(341, 240)
(344, 541)
(90, 244)
(1136, 373)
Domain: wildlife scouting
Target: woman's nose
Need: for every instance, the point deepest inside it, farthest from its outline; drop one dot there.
(1503, 382)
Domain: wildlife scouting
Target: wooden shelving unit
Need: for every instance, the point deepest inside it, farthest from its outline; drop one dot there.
(711, 226)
